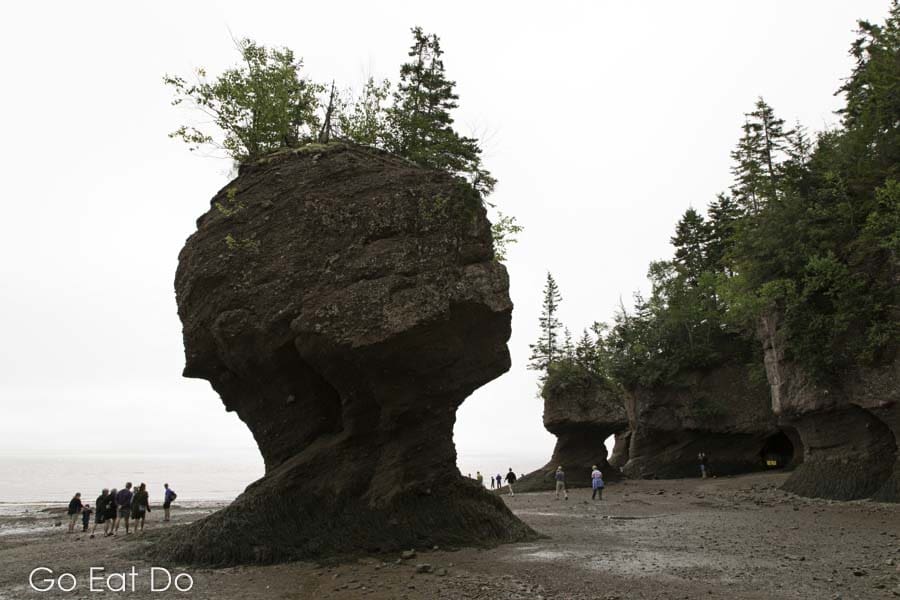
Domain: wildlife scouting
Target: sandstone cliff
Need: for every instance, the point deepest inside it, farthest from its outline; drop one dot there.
(849, 430)
(344, 302)
(718, 411)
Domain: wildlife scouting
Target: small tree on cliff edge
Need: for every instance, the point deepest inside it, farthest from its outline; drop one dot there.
(258, 107)
(419, 123)
(547, 349)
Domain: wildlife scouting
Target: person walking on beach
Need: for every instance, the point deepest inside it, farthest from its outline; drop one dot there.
(561, 482)
(704, 464)
(596, 484)
(168, 498)
(123, 506)
(74, 509)
(100, 511)
(510, 480)
(140, 506)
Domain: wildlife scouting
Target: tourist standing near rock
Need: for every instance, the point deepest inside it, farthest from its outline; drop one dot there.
(123, 507)
(596, 484)
(111, 512)
(703, 464)
(510, 480)
(74, 509)
(479, 478)
(561, 482)
(499, 479)
(168, 498)
(100, 510)
(140, 506)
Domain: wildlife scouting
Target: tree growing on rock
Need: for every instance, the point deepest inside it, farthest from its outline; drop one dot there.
(257, 107)
(548, 347)
(420, 126)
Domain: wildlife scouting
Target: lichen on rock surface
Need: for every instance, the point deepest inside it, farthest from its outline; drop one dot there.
(346, 336)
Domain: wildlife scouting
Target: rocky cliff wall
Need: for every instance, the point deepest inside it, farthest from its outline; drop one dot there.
(849, 429)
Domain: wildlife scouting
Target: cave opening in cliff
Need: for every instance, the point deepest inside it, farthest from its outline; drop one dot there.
(777, 451)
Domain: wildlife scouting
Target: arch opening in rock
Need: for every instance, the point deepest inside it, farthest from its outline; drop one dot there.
(777, 452)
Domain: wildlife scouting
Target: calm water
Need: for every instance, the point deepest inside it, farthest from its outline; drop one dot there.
(48, 479)
(31, 481)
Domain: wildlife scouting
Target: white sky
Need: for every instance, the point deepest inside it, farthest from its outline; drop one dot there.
(604, 120)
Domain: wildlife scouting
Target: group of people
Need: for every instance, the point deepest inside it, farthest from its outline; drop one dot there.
(597, 484)
(114, 506)
(497, 480)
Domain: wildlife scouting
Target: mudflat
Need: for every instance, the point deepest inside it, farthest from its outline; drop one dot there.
(736, 537)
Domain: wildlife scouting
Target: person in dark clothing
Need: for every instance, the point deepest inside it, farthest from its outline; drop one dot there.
(101, 510)
(86, 517)
(510, 480)
(168, 499)
(499, 481)
(123, 508)
(140, 506)
(74, 510)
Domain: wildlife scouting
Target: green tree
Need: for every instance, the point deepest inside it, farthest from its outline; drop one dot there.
(255, 108)
(547, 349)
(363, 119)
(420, 123)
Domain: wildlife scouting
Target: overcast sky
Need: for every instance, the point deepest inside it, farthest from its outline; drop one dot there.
(603, 122)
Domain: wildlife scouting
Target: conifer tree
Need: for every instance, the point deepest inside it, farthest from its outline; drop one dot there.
(690, 240)
(547, 348)
(420, 123)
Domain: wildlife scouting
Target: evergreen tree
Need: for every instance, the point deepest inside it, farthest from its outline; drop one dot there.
(568, 348)
(758, 158)
(690, 239)
(547, 348)
(722, 216)
(420, 123)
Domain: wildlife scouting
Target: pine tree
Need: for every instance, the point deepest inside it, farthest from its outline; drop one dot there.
(547, 348)
(568, 348)
(586, 351)
(691, 235)
(758, 158)
(421, 127)
(722, 218)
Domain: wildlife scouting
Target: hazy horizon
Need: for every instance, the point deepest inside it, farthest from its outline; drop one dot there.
(602, 122)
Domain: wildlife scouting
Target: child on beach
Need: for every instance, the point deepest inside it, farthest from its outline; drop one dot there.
(596, 484)
(85, 517)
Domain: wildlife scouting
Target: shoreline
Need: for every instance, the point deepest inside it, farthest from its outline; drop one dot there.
(732, 537)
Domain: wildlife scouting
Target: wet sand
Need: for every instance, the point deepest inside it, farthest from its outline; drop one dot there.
(720, 538)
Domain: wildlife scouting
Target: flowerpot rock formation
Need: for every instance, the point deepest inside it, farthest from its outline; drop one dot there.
(582, 411)
(344, 303)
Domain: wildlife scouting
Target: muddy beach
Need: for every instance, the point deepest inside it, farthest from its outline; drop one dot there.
(737, 537)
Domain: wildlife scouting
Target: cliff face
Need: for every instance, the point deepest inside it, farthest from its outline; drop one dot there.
(581, 411)
(719, 412)
(344, 303)
(849, 431)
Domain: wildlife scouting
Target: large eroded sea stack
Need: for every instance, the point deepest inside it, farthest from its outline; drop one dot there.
(582, 411)
(850, 429)
(344, 302)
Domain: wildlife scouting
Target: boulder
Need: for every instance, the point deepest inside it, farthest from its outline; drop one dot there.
(344, 302)
(582, 410)
(849, 428)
